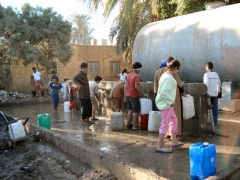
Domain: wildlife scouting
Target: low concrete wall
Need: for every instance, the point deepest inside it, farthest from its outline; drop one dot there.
(101, 162)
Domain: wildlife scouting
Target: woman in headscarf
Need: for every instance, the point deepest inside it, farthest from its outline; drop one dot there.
(180, 92)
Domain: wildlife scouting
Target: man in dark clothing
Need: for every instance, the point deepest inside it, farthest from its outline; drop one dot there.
(84, 94)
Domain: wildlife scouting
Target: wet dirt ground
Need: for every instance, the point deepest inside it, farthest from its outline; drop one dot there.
(137, 148)
(31, 160)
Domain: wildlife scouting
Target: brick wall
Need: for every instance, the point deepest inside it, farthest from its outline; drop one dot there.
(21, 75)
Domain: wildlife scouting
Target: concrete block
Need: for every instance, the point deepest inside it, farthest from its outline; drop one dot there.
(64, 145)
(198, 124)
(124, 171)
(104, 42)
(230, 90)
(117, 168)
(228, 105)
(90, 157)
(225, 105)
(49, 137)
(44, 136)
(74, 148)
(56, 140)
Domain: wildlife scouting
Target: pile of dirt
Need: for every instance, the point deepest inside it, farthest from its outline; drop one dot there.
(39, 160)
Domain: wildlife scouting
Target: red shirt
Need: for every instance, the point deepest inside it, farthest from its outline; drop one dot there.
(131, 91)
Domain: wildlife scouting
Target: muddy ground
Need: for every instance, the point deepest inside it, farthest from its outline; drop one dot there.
(39, 160)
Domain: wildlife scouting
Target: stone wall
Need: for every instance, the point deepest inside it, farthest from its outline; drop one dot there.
(21, 75)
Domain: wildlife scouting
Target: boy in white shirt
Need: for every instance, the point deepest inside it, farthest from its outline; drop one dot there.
(37, 79)
(64, 89)
(212, 80)
(93, 85)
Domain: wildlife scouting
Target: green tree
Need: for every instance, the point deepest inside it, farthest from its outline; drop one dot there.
(10, 38)
(34, 35)
(81, 30)
(10, 43)
(46, 36)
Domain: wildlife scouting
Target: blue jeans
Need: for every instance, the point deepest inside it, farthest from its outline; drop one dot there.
(214, 102)
(55, 99)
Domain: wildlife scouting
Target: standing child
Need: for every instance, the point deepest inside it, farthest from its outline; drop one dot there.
(212, 80)
(93, 85)
(165, 100)
(72, 96)
(54, 76)
(55, 86)
(64, 89)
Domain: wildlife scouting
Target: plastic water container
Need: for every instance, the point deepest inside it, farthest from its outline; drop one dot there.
(154, 121)
(44, 120)
(188, 107)
(146, 105)
(202, 160)
(117, 122)
(16, 130)
(66, 106)
(143, 118)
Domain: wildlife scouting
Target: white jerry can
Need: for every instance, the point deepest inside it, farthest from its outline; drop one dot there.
(146, 105)
(16, 131)
(154, 121)
(117, 121)
(188, 107)
(66, 106)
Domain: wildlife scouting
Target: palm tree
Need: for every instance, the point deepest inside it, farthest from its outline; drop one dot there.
(81, 30)
(125, 29)
(134, 14)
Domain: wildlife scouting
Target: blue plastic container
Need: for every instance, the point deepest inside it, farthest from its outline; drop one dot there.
(44, 120)
(202, 160)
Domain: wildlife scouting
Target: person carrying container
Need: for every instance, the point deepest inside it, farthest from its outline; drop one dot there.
(165, 100)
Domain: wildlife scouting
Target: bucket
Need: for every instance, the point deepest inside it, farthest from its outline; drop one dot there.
(66, 106)
(16, 130)
(188, 107)
(202, 160)
(44, 120)
(143, 121)
(146, 105)
(154, 121)
(117, 122)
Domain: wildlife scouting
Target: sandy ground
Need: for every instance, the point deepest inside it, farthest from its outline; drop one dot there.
(39, 160)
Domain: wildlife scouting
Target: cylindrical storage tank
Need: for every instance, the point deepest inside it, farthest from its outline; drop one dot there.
(194, 40)
(44, 120)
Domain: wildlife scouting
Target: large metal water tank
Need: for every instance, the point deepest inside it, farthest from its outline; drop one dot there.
(193, 39)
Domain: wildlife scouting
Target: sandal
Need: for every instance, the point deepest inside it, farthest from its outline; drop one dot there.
(92, 122)
(94, 119)
(179, 143)
(129, 126)
(164, 150)
(86, 123)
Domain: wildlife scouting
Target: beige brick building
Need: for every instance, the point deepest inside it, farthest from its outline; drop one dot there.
(101, 60)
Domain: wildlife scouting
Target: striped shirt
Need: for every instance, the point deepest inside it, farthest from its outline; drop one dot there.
(83, 92)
